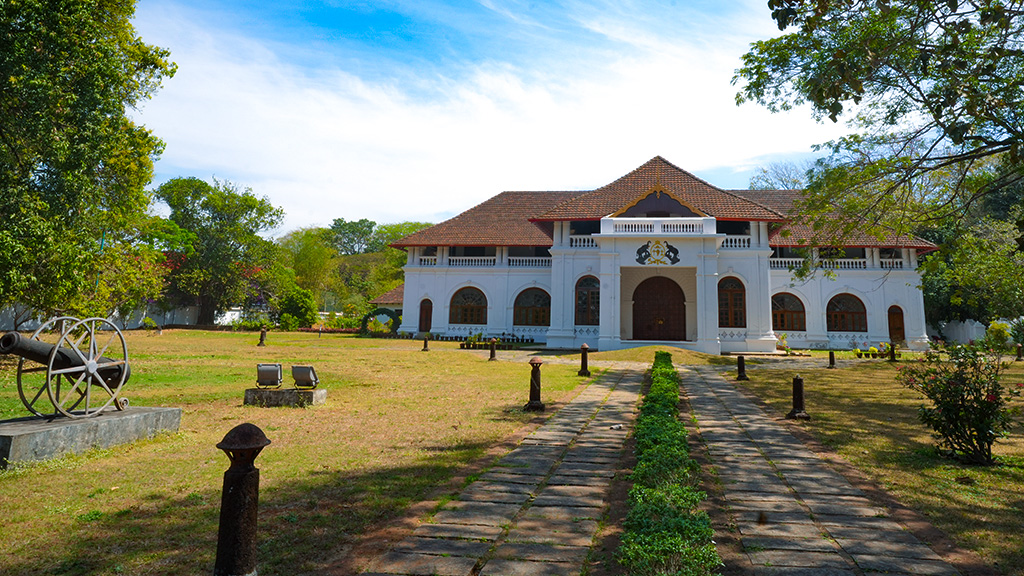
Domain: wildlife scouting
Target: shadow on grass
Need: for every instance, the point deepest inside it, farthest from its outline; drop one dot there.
(303, 524)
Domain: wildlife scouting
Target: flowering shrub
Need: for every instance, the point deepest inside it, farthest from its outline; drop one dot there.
(969, 410)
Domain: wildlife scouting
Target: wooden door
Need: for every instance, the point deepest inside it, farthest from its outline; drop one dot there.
(426, 315)
(897, 334)
(659, 310)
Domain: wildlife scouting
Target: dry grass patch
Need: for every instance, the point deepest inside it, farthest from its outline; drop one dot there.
(871, 421)
(398, 423)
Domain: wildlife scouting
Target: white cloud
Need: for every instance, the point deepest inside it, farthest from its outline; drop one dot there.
(325, 144)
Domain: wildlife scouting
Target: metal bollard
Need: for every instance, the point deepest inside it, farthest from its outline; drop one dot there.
(494, 357)
(741, 368)
(1020, 350)
(263, 337)
(831, 359)
(534, 405)
(426, 347)
(798, 412)
(584, 369)
(236, 537)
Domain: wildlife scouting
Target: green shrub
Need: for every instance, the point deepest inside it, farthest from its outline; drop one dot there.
(289, 323)
(664, 533)
(997, 336)
(969, 409)
(149, 324)
(300, 305)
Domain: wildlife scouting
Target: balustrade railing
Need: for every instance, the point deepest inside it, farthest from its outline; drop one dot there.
(844, 264)
(582, 242)
(837, 264)
(676, 226)
(529, 262)
(736, 242)
(473, 261)
(428, 260)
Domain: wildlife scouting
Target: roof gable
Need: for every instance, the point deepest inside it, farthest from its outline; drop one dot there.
(658, 199)
(661, 175)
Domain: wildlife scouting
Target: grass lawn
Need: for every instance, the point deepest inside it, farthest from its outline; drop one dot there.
(398, 423)
(871, 421)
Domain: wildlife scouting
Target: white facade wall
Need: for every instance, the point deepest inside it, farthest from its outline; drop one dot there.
(704, 258)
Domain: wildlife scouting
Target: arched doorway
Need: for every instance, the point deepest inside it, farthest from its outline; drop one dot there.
(659, 310)
(897, 334)
(426, 315)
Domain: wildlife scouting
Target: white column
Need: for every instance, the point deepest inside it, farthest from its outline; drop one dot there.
(610, 338)
(563, 297)
(707, 298)
(763, 232)
(760, 337)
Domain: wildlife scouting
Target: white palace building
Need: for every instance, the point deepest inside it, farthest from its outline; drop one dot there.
(658, 257)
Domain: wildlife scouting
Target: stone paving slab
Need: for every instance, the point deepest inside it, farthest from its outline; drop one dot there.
(503, 567)
(478, 495)
(542, 552)
(499, 475)
(887, 548)
(802, 518)
(458, 531)
(535, 512)
(402, 563)
(500, 486)
(798, 559)
(817, 544)
(564, 512)
(443, 547)
(890, 565)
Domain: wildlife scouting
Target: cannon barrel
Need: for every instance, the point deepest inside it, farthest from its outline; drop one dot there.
(37, 351)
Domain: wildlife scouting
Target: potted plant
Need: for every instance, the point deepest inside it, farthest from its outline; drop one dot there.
(873, 351)
(858, 352)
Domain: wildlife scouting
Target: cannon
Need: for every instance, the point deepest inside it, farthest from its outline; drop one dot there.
(81, 373)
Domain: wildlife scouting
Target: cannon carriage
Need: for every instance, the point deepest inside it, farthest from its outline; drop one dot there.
(79, 366)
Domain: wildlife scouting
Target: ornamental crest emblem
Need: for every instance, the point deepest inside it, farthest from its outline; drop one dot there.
(657, 252)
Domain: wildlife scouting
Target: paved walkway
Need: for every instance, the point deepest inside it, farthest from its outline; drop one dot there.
(536, 511)
(794, 515)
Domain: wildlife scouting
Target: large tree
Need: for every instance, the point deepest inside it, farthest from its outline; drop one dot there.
(226, 254)
(935, 91)
(310, 253)
(73, 165)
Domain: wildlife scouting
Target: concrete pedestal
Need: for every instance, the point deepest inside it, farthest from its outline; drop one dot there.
(35, 438)
(284, 397)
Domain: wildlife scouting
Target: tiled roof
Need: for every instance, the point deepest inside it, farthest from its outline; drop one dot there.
(679, 183)
(393, 296)
(501, 221)
(797, 233)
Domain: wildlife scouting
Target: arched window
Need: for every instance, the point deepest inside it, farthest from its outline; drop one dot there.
(588, 301)
(732, 303)
(469, 306)
(532, 308)
(788, 313)
(846, 313)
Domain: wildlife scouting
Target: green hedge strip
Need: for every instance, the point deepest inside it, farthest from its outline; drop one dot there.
(664, 533)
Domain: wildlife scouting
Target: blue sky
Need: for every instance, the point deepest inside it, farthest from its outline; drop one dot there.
(417, 110)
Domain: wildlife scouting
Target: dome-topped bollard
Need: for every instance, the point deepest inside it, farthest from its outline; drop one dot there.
(534, 405)
(584, 368)
(239, 504)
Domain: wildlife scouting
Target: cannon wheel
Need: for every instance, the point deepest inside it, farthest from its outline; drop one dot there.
(33, 378)
(89, 340)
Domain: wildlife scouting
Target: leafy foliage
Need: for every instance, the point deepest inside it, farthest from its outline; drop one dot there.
(969, 409)
(298, 304)
(935, 87)
(73, 166)
(225, 254)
